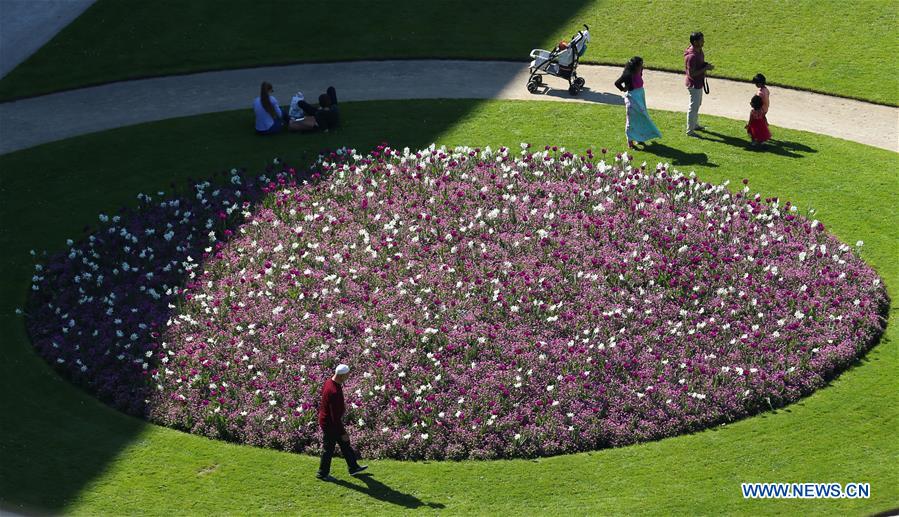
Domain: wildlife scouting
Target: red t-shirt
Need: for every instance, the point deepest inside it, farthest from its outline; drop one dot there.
(332, 408)
(694, 60)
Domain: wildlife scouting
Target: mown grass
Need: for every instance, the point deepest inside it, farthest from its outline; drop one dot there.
(842, 48)
(62, 451)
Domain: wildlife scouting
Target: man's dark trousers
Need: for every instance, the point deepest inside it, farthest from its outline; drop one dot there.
(330, 440)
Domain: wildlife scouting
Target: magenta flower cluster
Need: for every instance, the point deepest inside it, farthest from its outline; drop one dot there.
(491, 304)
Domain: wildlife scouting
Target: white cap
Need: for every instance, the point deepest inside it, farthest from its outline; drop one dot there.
(342, 369)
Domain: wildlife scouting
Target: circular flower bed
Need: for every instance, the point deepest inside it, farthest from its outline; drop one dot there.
(491, 304)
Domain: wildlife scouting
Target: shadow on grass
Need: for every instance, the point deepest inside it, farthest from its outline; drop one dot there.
(561, 92)
(676, 156)
(779, 147)
(378, 490)
(787, 145)
(55, 440)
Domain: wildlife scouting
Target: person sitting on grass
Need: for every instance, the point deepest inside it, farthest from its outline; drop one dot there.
(758, 125)
(269, 117)
(326, 115)
(298, 119)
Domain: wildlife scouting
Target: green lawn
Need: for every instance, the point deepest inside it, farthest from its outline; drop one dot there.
(62, 451)
(843, 48)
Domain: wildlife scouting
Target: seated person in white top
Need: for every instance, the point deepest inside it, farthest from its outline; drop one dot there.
(298, 119)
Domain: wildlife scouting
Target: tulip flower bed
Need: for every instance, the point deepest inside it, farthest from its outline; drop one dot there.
(491, 304)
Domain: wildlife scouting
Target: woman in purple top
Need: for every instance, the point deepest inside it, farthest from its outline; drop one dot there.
(639, 127)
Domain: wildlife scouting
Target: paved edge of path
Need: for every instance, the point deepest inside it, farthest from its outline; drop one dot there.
(37, 120)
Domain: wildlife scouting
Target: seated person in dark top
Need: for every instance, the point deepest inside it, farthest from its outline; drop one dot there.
(326, 114)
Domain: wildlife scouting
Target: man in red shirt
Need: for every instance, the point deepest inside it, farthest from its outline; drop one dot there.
(330, 419)
(695, 67)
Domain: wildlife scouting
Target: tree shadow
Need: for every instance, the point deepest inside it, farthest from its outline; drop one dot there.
(778, 147)
(57, 440)
(378, 490)
(677, 156)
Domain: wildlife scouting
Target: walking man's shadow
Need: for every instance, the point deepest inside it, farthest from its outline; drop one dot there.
(381, 492)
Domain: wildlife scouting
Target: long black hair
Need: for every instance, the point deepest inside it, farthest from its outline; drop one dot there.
(756, 102)
(264, 92)
(625, 83)
(632, 65)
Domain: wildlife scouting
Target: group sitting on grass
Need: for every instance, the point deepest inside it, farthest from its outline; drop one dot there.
(301, 116)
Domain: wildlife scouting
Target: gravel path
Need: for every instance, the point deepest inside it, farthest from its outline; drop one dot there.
(34, 121)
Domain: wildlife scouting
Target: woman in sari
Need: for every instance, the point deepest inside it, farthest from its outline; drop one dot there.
(639, 127)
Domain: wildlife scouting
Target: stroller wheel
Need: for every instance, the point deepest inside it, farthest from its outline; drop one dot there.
(573, 90)
(579, 82)
(532, 86)
(538, 79)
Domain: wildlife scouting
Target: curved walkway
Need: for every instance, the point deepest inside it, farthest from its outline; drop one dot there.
(38, 120)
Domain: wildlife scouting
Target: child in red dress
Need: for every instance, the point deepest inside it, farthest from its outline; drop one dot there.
(758, 124)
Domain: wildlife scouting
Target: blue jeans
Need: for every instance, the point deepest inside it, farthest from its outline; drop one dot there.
(278, 126)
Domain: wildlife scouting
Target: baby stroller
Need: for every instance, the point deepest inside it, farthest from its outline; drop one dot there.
(560, 62)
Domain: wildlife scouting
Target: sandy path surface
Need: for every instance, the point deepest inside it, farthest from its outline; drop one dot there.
(38, 120)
